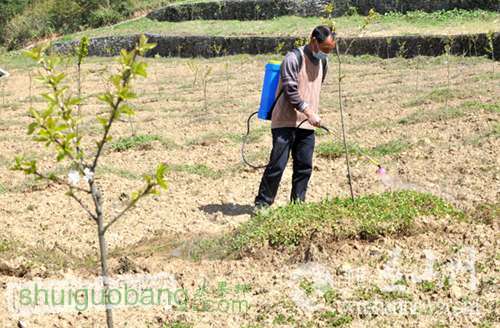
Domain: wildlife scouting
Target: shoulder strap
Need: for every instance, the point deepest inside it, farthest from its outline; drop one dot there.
(297, 53)
(324, 62)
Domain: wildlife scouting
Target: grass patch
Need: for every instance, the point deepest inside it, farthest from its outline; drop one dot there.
(372, 292)
(454, 22)
(142, 141)
(254, 136)
(443, 114)
(5, 245)
(197, 169)
(370, 217)
(334, 319)
(390, 148)
(51, 259)
(334, 149)
(119, 172)
(449, 113)
(437, 95)
(3, 189)
(177, 324)
(477, 105)
(427, 286)
(486, 213)
(307, 286)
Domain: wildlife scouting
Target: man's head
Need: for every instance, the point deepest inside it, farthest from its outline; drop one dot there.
(322, 41)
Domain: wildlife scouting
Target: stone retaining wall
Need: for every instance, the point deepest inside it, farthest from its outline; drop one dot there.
(207, 46)
(268, 9)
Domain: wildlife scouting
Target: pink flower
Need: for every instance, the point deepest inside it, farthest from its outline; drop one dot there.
(381, 171)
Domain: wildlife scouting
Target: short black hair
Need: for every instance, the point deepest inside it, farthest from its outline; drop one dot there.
(321, 33)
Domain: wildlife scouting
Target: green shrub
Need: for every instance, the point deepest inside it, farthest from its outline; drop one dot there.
(65, 15)
(45, 17)
(104, 16)
(33, 23)
(8, 9)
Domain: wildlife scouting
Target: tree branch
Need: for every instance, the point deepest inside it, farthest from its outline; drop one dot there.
(126, 79)
(130, 205)
(92, 215)
(60, 181)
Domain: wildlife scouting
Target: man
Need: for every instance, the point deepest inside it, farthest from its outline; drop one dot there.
(299, 101)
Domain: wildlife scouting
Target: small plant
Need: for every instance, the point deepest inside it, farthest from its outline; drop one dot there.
(490, 48)
(194, 68)
(307, 286)
(372, 16)
(335, 319)
(217, 49)
(388, 44)
(392, 147)
(205, 77)
(257, 11)
(330, 296)
(328, 20)
(427, 286)
(81, 52)
(56, 126)
(447, 48)
(417, 69)
(177, 324)
(138, 141)
(401, 54)
(299, 42)
(279, 48)
(333, 150)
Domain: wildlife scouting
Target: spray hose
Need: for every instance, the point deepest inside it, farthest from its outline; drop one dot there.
(245, 141)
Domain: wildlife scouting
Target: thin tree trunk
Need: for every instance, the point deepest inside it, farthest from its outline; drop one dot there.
(96, 195)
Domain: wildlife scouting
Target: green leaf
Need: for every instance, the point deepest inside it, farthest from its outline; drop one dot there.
(125, 93)
(134, 196)
(56, 79)
(73, 101)
(140, 69)
(116, 80)
(127, 110)
(35, 53)
(107, 98)
(104, 121)
(60, 156)
(160, 176)
(49, 98)
(32, 127)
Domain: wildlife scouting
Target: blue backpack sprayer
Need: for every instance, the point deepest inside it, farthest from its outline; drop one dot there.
(269, 98)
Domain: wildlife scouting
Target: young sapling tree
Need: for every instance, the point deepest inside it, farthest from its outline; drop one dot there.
(490, 48)
(205, 78)
(56, 126)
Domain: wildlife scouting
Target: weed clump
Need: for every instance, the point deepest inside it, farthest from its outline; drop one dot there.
(369, 217)
(137, 141)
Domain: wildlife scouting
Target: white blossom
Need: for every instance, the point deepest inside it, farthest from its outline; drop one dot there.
(89, 175)
(73, 177)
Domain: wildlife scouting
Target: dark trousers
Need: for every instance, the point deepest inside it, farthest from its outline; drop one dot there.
(301, 143)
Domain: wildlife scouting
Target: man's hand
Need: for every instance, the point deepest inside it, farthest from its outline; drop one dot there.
(312, 117)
